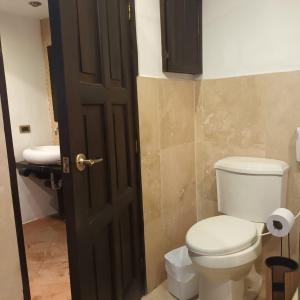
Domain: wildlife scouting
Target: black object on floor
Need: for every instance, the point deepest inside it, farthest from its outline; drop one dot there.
(282, 278)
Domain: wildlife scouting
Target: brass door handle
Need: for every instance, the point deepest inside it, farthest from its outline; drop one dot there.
(82, 161)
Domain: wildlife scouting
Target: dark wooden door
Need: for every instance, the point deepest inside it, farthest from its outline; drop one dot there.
(92, 43)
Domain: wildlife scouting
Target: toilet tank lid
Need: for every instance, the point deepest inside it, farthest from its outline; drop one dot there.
(252, 165)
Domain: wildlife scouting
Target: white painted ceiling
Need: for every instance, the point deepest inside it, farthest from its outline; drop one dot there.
(21, 7)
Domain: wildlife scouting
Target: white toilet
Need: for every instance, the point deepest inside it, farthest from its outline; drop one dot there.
(224, 248)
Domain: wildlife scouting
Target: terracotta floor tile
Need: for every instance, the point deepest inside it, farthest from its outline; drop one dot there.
(47, 259)
(51, 291)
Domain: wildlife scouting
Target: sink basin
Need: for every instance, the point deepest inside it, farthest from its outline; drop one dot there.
(42, 155)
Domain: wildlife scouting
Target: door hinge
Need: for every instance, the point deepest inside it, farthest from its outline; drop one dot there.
(66, 165)
(129, 11)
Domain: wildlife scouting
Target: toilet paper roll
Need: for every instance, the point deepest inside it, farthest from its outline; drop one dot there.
(280, 222)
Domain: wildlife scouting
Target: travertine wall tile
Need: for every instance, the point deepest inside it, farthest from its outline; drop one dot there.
(232, 112)
(249, 116)
(280, 96)
(149, 123)
(155, 248)
(178, 177)
(151, 176)
(178, 192)
(176, 107)
(167, 122)
(187, 126)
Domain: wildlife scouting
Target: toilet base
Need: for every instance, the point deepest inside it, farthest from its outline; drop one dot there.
(229, 290)
(253, 285)
(247, 288)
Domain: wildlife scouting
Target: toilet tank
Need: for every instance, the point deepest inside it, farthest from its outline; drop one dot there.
(251, 188)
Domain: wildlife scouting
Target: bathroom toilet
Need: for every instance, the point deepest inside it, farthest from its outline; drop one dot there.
(224, 248)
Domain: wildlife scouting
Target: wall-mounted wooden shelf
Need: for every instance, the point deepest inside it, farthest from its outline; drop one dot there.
(181, 23)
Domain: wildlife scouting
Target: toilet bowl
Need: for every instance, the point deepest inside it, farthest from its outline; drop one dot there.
(223, 250)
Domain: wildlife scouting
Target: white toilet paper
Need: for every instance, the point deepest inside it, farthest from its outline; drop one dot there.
(280, 222)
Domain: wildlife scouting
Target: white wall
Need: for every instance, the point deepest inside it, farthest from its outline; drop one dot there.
(240, 37)
(28, 103)
(149, 41)
(10, 274)
(250, 37)
(149, 37)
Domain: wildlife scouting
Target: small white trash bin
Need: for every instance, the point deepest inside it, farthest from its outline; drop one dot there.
(182, 279)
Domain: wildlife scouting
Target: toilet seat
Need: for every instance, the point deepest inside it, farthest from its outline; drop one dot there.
(221, 235)
(233, 260)
(221, 262)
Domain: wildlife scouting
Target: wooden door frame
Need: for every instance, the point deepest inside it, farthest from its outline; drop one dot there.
(12, 162)
(13, 179)
(135, 74)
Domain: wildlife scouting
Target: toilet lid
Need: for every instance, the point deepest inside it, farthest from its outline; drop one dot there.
(221, 235)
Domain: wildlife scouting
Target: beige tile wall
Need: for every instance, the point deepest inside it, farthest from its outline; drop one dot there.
(10, 274)
(211, 119)
(167, 127)
(256, 116)
(46, 40)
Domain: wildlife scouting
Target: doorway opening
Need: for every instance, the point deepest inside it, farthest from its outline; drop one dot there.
(26, 49)
(71, 115)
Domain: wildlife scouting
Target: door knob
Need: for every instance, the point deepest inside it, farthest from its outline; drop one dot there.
(82, 161)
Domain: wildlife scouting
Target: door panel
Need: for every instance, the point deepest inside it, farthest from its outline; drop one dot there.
(104, 262)
(94, 127)
(121, 145)
(127, 248)
(89, 41)
(96, 116)
(114, 39)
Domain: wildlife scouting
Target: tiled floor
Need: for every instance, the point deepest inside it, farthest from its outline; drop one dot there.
(46, 251)
(160, 293)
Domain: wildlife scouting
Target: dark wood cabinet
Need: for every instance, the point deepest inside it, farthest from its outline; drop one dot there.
(181, 23)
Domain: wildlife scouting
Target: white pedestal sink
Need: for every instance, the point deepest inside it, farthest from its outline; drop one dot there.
(42, 155)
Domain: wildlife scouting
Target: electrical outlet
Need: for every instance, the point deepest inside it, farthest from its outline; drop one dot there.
(25, 129)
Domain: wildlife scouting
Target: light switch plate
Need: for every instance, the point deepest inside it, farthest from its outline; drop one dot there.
(25, 128)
